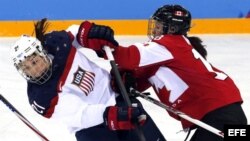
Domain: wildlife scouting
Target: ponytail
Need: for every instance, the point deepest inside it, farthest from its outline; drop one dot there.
(40, 29)
(196, 42)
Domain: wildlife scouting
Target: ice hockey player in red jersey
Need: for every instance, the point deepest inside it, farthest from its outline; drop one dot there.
(70, 83)
(176, 66)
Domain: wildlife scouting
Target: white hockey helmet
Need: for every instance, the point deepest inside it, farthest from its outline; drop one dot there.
(27, 46)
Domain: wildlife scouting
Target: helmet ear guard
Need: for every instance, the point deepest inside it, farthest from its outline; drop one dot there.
(175, 19)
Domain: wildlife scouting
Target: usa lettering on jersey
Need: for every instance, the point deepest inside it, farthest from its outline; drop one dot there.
(84, 80)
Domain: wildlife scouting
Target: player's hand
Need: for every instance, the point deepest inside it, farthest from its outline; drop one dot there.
(95, 36)
(124, 118)
(127, 78)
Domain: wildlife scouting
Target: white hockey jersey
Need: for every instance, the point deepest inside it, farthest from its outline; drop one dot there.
(79, 89)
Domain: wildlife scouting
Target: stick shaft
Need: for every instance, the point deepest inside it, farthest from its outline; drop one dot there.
(180, 114)
(22, 118)
(122, 89)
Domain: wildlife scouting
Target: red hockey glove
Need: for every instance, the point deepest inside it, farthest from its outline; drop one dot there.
(124, 118)
(95, 36)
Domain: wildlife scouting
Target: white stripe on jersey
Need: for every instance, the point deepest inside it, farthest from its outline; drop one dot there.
(152, 53)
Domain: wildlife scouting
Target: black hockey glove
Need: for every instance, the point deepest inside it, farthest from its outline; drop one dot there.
(124, 118)
(127, 78)
(95, 36)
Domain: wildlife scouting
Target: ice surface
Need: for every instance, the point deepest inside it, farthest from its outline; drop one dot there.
(231, 53)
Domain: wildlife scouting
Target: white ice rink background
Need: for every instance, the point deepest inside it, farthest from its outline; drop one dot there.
(231, 53)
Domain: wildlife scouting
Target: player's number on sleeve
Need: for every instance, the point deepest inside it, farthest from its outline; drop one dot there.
(37, 107)
(219, 75)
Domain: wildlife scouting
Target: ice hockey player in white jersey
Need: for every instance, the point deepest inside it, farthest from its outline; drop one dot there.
(67, 82)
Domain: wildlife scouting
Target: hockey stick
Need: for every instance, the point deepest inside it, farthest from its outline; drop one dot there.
(22, 118)
(176, 112)
(122, 88)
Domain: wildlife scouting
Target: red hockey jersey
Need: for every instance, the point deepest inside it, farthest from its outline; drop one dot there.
(180, 76)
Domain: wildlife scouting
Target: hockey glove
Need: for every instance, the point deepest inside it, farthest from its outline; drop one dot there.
(124, 118)
(95, 36)
(127, 78)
